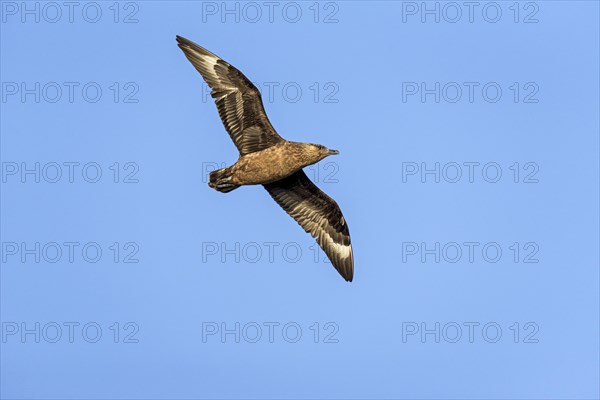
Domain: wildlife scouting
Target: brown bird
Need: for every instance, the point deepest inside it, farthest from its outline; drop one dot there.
(268, 159)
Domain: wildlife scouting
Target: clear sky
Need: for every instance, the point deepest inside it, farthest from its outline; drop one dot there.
(468, 176)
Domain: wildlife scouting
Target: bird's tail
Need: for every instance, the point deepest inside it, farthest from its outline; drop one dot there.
(221, 180)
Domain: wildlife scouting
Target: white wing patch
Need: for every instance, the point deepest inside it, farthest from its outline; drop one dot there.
(343, 250)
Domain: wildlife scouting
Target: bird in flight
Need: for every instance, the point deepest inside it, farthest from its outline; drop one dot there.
(269, 160)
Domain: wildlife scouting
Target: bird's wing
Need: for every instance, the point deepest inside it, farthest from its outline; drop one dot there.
(238, 100)
(319, 215)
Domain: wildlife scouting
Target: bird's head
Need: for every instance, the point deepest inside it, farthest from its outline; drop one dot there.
(318, 152)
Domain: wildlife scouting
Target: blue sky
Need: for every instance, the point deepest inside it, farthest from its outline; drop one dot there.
(468, 175)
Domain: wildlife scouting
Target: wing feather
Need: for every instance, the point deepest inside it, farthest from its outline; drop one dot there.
(238, 101)
(319, 215)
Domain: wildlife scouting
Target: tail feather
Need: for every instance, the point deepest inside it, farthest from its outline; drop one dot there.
(221, 180)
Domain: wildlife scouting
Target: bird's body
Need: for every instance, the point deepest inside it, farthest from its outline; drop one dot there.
(271, 164)
(268, 159)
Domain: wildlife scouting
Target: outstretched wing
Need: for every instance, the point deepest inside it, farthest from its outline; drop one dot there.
(238, 100)
(319, 215)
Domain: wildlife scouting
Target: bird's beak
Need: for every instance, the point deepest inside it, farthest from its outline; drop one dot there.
(333, 152)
